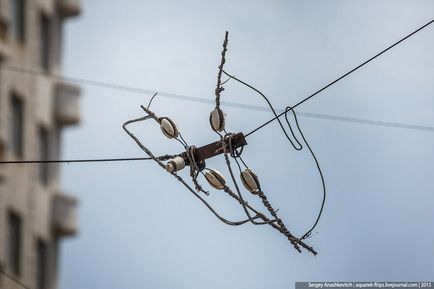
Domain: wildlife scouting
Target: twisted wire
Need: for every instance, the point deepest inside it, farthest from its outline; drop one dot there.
(240, 195)
(297, 146)
(151, 114)
(180, 139)
(234, 152)
(237, 154)
(162, 165)
(194, 168)
(281, 227)
(293, 240)
(219, 87)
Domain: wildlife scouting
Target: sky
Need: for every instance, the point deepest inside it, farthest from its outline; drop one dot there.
(139, 228)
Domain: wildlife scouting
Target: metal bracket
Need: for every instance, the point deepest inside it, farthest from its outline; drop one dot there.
(213, 149)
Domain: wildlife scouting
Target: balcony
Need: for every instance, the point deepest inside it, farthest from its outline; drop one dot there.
(67, 109)
(69, 8)
(64, 215)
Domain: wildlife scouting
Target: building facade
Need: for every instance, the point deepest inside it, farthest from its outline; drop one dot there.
(34, 108)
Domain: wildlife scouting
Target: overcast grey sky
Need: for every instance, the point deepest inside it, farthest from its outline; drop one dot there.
(140, 229)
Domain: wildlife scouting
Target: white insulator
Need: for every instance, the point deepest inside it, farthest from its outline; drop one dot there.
(217, 119)
(168, 127)
(175, 164)
(250, 180)
(215, 179)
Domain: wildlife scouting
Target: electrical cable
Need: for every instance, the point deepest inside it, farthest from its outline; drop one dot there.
(280, 226)
(297, 147)
(240, 195)
(77, 161)
(150, 101)
(158, 161)
(343, 76)
(226, 143)
(107, 85)
(308, 233)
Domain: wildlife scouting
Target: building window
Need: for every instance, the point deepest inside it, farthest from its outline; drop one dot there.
(45, 42)
(41, 266)
(16, 126)
(18, 19)
(43, 155)
(13, 243)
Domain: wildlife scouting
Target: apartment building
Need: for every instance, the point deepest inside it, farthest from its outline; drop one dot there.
(34, 108)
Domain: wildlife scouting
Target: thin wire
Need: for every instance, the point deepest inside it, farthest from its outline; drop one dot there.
(366, 121)
(149, 153)
(298, 146)
(243, 162)
(152, 98)
(181, 142)
(224, 82)
(273, 213)
(218, 90)
(197, 99)
(194, 168)
(180, 136)
(307, 234)
(228, 136)
(243, 203)
(209, 101)
(238, 165)
(343, 76)
(75, 161)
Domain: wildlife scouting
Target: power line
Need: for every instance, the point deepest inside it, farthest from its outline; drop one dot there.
(108, 85)
(161, 158)
(260, 108)
(231, 104)
(343, 76)
(75, 161)
(210, 101)
(368, 121)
